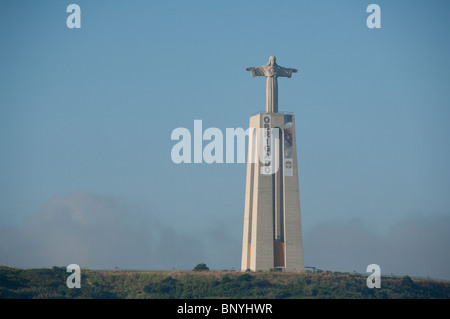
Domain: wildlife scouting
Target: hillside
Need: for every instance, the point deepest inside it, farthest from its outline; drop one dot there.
(51, 283)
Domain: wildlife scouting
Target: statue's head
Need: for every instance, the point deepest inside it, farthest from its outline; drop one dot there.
(272, 60)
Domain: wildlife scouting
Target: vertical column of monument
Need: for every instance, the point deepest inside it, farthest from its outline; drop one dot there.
(257, 247)
(248, 211)
(292, 216)
(278, 191)
(252, 179)
(262, 228)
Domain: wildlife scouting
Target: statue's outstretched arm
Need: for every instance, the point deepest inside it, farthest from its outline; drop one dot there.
(256, 71)
(286, 72)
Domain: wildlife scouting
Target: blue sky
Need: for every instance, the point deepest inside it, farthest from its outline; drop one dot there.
(86, 117)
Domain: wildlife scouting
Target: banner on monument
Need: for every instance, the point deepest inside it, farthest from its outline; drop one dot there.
(265, 154)
(268, 139)
(288, 146)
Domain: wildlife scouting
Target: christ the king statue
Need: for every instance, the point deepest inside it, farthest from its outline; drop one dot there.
(272, 71)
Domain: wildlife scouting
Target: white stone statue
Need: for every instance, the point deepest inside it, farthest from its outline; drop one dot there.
(272, 71)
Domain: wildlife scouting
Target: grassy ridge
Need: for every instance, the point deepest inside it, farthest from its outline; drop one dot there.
(51, 283)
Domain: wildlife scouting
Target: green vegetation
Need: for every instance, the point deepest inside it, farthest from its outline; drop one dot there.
(51, 283)
(201, 267)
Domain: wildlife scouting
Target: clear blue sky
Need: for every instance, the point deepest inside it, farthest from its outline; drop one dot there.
(86, 117)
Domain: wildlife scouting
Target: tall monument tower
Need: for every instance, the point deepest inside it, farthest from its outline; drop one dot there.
(272, 224)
